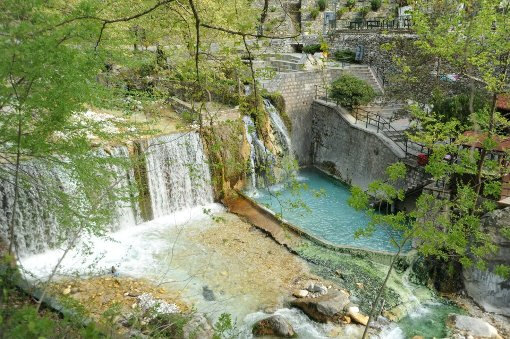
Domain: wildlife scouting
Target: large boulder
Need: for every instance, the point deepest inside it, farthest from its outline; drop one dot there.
(470, 326)
(275, 325)
(489, 290)
(326, 308)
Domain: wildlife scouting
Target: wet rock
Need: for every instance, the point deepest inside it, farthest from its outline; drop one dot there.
(208, 294)
(328, 307)
(198, 327)
(300, 293)
(358, 318)
(275, 325)
(470, 326)
(317, 288)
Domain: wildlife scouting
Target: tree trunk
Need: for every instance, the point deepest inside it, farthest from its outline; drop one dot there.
(16, 193)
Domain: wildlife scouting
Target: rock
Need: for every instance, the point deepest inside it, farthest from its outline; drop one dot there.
(300, 293)
(275, 325)
(467, 326)
(490, 291)
(66, 290)
(360, 285)
(198, 327)
(346, 319)
(418, 337)
(208, 294)
(317, 288)
(328, 307)
(353, 309)
(157, 306)
(359, 318)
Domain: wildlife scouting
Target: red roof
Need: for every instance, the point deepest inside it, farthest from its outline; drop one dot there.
(503, 142)
(503, 101)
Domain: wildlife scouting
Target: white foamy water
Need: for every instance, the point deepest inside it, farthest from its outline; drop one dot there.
(131, 251)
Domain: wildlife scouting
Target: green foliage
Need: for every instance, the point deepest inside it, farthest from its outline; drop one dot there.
(225, 328)
(344, 55)
(363, 11)
(340, 12)
(349, 91)
(312, 49)
(322, 4)
(314, 13)
(350, 4)
(375, 5)
(457, 106)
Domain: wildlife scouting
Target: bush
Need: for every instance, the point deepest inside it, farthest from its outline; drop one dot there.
(344, 55)
(341, 12)
(375, 5)
(349, 91)
(314, 13)
(363, 11)
(312, 49)
(351, 3)
(322, 5)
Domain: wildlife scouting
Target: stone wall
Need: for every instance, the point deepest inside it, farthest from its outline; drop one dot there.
(356, 154)
(298, 90)
(487, 289)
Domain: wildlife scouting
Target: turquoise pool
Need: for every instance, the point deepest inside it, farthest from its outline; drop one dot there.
(322, 209)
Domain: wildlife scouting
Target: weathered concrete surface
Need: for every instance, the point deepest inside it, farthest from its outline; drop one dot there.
(489, 290)
(356, 154)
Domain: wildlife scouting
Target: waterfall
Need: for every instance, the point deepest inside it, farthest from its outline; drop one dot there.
(36, 227)
(279, 127)
(177, 176)
(261, 159)
(127, 211)
(177, 173)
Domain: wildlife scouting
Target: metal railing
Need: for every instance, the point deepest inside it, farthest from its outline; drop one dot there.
(382, 125)
(402, 23)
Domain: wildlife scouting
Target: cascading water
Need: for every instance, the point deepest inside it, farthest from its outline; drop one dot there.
(36, 227)
(279, 127)
(127, 211)
(260, 157)
(177, 173)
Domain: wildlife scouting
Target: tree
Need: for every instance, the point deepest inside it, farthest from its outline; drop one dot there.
(351, 92)
(471, 40)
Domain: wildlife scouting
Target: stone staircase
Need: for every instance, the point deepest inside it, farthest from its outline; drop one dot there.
(365, 72)
(287, 62)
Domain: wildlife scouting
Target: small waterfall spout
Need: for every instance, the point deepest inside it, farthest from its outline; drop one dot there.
(261, 159)
(282, 134)
(178, 173)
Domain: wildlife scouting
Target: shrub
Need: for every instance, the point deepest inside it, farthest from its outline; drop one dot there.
(351, 3)
(344, 55)
(375, 5)
(322, 5)
(341, 12)
(349, 91)
(363, 11)
(312, 49)
(314, 13)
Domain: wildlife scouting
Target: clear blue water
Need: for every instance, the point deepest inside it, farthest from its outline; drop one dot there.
(321, 208)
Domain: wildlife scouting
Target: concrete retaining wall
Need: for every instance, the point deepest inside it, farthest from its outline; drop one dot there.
(356, 154)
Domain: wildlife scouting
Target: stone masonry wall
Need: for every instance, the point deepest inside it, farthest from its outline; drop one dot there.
(350, 151)
(298, 90)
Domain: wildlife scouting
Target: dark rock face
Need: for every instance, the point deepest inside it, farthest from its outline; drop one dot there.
(487, 289)
(208, 294)
(328, 307)
(275, 325)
